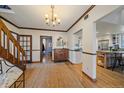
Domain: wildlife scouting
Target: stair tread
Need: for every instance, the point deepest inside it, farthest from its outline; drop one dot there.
(7, 79)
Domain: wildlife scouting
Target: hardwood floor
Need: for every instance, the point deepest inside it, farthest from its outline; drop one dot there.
(105, 78)
(67, 75)
(51, 75)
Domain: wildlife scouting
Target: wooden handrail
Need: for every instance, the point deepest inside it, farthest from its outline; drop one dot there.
(17, 55)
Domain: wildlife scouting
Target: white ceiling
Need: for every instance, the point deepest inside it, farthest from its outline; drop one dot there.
(32, 16)
(105, 28)
(116, 17)
(112, 23)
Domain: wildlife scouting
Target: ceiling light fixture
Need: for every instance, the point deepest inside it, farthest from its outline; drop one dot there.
(53, 19)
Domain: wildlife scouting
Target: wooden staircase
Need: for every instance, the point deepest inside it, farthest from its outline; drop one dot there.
(11, 51)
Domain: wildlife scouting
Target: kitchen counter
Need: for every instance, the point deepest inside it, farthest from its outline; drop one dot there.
(108, 51)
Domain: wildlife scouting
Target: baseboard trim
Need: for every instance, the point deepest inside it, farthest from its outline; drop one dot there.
(70, 62)
(94, 80)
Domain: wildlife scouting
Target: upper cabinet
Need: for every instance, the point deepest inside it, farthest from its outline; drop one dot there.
(111, 41)
(122, 40)
(118, 39)
(115, 39)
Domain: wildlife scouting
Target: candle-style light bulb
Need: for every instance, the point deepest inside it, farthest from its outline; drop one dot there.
(58, 20)
(54, 23)
(46, 16)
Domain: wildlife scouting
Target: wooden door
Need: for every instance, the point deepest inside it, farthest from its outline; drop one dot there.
(26, 44)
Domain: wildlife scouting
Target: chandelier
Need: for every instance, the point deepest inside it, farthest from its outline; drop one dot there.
(53, 18)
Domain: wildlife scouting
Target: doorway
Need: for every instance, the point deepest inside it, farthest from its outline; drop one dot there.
(110, 41)
(45, 49)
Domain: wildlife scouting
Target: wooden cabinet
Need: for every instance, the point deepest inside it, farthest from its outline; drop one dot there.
(60, 54)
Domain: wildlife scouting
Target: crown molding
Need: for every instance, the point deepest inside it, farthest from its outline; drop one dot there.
(29, 27)
(42, 29)
(87, 11)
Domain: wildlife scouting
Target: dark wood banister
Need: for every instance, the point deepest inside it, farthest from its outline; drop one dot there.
(5, 52)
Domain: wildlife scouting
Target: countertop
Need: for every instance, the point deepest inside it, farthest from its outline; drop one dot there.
(108, 51)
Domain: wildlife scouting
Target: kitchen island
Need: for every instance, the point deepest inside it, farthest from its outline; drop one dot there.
(105, 57)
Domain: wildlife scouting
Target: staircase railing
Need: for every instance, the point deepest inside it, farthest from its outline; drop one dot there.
(10, 49)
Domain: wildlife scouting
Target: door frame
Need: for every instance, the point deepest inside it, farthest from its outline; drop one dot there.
(41, 38)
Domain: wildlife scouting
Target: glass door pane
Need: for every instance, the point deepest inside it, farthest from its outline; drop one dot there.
(25, 42)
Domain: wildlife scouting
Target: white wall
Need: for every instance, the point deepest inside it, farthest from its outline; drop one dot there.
(103, 27)
(89, 37)
(36, 40)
